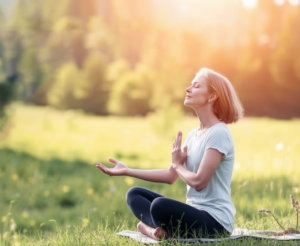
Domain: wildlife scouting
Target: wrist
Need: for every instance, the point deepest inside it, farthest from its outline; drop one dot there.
(127, 172)
(176, 165)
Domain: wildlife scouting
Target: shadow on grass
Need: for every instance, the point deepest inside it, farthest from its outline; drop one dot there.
(76, 193)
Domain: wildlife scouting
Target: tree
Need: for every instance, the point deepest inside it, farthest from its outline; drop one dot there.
(7, 86)
(285, 65)
(29, 67)
(61, 95)
(93, 89)
(132, 92)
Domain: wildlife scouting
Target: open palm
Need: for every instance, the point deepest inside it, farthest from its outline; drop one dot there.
(119, 169)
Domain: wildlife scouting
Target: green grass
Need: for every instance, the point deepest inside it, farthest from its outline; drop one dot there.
(106, 236)
(52, 194)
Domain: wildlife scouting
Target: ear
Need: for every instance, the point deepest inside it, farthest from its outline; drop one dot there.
(213, 97)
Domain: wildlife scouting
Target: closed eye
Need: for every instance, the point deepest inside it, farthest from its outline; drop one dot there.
(196, 85)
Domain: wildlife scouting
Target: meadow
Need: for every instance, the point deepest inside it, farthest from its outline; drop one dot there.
(52, 194)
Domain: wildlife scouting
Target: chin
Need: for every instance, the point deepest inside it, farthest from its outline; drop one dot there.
(185, 103)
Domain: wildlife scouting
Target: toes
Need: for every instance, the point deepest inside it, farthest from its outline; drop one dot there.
(139, 226)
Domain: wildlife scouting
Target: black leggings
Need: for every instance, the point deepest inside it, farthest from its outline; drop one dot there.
(177, 218)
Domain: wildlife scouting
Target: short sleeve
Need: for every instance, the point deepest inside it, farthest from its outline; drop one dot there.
(221, 140)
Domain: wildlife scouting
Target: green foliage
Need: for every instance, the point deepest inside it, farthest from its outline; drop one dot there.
(1, 18)
(29, 67)
(7, 92)
(61, 94)
(132, 92)
(100, 39)
(117, 68)
(66, 24)
(27, 17)
(85, 89)
(163, 120)
(93, 90)
(256, 49)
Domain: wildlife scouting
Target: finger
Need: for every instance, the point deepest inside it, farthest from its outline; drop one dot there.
(98, 164)
(103, 168)
(113, 161)
(179, 139)
(175, 141)
(99, 168)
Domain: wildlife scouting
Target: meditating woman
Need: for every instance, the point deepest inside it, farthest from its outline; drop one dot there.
(204, 163)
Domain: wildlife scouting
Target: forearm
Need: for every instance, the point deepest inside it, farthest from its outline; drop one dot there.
(190, 178)
(168, 176)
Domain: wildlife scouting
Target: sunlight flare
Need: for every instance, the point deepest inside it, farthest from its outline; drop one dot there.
(279, 2)
(279, 146)
(250, 4)
(294, 2)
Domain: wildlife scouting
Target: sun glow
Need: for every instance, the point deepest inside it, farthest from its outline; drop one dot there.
(294, 2)
(250, 3)
(279, 2)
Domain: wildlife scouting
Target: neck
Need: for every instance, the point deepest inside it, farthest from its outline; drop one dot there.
(206, 118)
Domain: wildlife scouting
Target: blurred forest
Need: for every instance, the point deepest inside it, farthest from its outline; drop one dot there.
(132, 57)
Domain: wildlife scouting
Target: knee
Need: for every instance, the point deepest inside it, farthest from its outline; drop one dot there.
(130, 193)
(158, 205)
(159, 209)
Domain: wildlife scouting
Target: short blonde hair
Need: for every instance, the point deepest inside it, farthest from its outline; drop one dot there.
(227, 107)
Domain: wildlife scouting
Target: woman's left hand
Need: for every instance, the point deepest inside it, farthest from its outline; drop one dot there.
(178, 156)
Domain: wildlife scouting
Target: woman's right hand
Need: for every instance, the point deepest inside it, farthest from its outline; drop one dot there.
(118, 170)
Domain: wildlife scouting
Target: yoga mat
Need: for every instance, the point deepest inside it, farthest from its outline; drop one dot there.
(237, 233)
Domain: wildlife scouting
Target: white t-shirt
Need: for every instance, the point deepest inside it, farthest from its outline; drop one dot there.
(215, 197)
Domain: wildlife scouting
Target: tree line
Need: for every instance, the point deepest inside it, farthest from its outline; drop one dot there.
(133, 57)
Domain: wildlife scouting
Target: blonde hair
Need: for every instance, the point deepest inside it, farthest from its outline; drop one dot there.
(227, 107)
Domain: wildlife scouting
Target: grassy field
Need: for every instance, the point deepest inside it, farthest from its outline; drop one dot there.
(52, 194)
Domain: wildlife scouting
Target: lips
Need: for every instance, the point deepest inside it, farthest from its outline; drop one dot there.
(187, 96)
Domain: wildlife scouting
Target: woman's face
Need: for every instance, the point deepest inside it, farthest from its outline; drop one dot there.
(197, 93)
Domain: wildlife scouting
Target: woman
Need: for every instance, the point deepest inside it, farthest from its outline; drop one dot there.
(205, 164)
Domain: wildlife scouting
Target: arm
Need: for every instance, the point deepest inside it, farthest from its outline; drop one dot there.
(168, 176)
(207, 168)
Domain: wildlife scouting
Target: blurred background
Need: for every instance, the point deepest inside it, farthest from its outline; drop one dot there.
(85, 80)
(131, 57)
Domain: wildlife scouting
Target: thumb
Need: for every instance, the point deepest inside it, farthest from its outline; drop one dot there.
(113, 161)
(185, 150)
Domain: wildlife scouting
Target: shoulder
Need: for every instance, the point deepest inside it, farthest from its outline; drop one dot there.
(220, 138)
(220, 131)
(220, 128)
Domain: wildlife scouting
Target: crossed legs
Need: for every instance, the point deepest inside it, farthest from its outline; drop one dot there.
(161, 217)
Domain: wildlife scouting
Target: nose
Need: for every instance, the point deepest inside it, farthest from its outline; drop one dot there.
(188, 89)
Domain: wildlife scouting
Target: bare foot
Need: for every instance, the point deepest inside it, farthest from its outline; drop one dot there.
(160, 233)
(155, 233)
